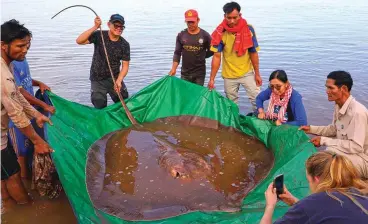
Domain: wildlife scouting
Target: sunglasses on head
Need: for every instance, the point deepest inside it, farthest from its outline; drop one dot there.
(277, 87)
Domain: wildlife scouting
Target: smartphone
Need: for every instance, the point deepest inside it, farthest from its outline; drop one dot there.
(278, 183)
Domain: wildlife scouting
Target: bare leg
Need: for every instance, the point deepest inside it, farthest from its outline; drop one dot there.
(6, 201)
(16, 189)
(23, 166)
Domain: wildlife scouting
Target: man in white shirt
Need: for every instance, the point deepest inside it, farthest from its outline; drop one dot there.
(348, 133)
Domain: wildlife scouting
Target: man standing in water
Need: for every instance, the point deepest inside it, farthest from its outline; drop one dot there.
(21, 144)
(14, 46)
(348, 133)
(193, 44)
(118, 50)
(237, 42)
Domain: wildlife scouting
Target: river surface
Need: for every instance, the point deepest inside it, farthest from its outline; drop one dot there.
(308, 39)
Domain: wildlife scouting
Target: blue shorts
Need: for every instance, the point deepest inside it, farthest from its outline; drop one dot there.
(21, 144)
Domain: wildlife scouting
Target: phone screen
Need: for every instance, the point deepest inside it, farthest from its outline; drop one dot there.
(279, 184)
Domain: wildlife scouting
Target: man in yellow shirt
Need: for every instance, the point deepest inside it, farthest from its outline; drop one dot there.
(237, 42)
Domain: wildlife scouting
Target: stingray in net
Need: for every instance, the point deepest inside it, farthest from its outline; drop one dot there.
(174, 166)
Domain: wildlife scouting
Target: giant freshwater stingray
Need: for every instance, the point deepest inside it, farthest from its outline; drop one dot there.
(174, 166)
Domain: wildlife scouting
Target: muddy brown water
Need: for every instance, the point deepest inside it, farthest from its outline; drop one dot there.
(167, 168)
(42, 210)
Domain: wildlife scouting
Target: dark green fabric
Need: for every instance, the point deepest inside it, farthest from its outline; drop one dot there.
(76, 127)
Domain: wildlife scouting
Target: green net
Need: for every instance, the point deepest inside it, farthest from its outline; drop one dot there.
(76, 127)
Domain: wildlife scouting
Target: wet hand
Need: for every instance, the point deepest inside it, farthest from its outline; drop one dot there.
(258, 79)
(211, 84)
(271, 196)
(262, 115)
(41, 119)
(42, 148)
(50, 109)
(316, 141)
(118, 85)
(288, 198)
(278, 122)
(172, 72)
(306, 129)
(97, 22)
(44, 87)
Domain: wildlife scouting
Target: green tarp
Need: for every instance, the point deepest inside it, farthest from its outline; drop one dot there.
(76, 127)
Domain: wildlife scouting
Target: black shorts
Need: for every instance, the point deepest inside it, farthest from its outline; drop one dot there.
(9, 162)
(100, 89)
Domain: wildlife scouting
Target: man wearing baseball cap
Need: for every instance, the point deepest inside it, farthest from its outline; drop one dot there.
(118, 50)
(193, 45)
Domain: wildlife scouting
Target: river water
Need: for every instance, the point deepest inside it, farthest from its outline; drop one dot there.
(308, 39)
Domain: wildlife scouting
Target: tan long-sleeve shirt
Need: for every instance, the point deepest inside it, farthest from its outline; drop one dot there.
(13, 105)
(348, 133)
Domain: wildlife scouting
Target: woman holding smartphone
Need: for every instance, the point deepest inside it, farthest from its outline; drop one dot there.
(338, 194)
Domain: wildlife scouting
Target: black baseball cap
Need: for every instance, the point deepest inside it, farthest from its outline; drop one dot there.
(117, 18)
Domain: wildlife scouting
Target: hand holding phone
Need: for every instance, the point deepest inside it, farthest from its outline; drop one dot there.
(278, 183)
